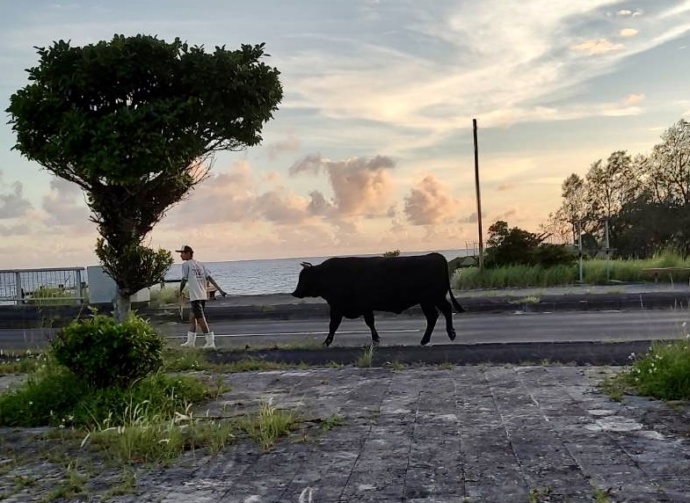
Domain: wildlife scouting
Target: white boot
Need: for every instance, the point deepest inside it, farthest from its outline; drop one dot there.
(191, 340)
(210, 341)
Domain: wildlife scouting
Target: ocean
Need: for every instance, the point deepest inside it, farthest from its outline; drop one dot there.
(269, 276)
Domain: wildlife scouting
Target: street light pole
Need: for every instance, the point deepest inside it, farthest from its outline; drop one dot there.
(479, 199)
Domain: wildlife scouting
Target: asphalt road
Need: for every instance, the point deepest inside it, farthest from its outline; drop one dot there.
(408, 330)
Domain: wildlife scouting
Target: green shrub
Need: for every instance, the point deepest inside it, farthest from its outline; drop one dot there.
(47, 398)
(106, 353)
(54, 396)
(663, 372)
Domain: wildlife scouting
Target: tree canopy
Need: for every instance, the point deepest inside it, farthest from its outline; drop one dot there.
(133, 121)
(645, 199)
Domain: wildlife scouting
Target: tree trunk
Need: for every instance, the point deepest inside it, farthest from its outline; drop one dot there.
(123, 305)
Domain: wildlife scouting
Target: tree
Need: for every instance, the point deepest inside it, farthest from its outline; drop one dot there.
(134, 121)
(573, 206)
(668, 166)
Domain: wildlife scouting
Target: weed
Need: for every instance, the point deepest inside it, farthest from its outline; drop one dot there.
(395, 365)
(445, 365)
(601, 495)
(663, 372)
(127, 484)
(268, 425)
(331, 422)
(366, 358)
(530, 299)
(539, 495)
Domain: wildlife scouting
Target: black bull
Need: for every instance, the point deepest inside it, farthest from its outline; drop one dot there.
(358, 286)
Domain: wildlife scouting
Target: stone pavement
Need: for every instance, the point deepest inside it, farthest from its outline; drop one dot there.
(430, 434)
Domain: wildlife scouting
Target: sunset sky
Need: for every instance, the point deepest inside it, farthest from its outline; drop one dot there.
(371, 149)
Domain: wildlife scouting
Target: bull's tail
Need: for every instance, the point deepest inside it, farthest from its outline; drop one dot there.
(456, 304)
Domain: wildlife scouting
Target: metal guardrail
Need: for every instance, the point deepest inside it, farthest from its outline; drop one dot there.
(48, 286)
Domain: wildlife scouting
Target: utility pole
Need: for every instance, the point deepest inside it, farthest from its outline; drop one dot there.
(479, 198)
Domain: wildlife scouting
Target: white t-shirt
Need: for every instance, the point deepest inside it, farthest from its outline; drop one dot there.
(195, 274)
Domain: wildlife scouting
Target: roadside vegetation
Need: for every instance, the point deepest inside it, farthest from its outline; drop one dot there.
(107, 394)
(594, 272)
(663, 373)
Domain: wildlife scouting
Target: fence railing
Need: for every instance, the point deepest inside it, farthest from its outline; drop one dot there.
(49, 286)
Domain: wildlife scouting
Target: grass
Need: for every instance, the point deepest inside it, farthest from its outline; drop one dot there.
(164, 296)
(366, 359)
(594, 272)
(21, 363)
(51, 296)
(331, 422)
(268, 425)
(663, 373)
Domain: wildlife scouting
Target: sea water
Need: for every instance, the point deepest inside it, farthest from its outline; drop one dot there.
(269, 276)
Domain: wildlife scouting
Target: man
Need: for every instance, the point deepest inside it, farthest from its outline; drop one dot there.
(195, 275)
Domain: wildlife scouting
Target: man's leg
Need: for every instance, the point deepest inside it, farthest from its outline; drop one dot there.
(191, 332)
(210, 336)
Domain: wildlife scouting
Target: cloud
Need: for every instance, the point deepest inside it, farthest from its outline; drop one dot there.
(224, 197)
(596, 46)
(628, 32)
(362, 187)
(14, 230)
(62, 208)
(13, 204)
(282, 207)
(505, 187)
(430, 203)
(633, 99)
(290, 144)
(508, 81)
(629, 13)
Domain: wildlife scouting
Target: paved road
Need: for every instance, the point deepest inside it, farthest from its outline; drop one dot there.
(407, 330)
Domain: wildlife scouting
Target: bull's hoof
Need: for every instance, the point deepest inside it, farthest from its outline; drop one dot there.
(326, 343)
(452, 335)
(424, 342)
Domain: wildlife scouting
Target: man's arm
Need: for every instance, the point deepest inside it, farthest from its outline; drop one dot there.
(185, 275)
(213, 282)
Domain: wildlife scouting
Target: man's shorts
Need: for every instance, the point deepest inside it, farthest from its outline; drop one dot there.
(198, 309)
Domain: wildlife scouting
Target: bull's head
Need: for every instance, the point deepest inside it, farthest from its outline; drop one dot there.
(307, 285)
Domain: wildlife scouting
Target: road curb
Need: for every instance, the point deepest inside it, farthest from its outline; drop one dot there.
(539, 353)
(55, 317)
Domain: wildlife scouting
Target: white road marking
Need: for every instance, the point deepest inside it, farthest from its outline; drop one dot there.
(344, 332)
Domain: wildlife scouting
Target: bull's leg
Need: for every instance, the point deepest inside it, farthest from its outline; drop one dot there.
(336, 318)
(445, 307)
(369, 320)
(431, 314)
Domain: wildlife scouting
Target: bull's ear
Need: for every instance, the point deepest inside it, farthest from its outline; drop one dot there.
(306, 264)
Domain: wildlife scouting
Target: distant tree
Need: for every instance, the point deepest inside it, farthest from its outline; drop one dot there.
(667, 168)
(392, 253)
(514, 246)
(133, 122)
(572, 209)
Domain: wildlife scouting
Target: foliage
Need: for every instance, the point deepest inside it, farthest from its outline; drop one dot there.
(594, 272)
(269, 424)
(105, 352)
(644, 199)
(663, 372)
(51, 296)
(515, 246)
(132, 121)
(44, 399)
(392, 253)
(54, 396)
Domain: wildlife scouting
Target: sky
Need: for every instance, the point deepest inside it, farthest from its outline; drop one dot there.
(372, 147)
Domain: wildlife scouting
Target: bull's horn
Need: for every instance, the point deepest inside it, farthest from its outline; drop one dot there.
(306, 264)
